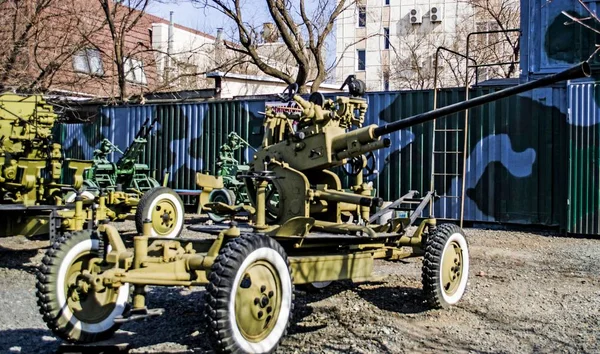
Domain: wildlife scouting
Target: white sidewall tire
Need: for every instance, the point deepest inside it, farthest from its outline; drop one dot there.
(178, 208)
(86, 195)
(122, 297)
(213, 194)
(277, 261)
(321, 284)
(462, 286)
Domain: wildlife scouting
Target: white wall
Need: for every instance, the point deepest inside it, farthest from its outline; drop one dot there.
(396, 17)
(188, 47)
(232, 87)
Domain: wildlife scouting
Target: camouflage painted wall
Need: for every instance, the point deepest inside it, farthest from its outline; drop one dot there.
(516, 155)
(584, 158)
(547, 44)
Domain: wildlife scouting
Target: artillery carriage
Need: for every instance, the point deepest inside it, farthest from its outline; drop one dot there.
(224, 189)
(34, 199)
(84, 285)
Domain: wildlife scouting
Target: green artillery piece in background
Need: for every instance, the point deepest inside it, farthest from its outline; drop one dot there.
(250, 272)
(34, 199)
(126, 173)
(232, 196)
(147, 198)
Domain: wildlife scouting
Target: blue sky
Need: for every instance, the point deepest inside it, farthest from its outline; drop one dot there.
(208, 20)
(186, 14)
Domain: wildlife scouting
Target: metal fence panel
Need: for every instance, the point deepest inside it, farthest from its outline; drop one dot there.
(584, 159)
(516, 155)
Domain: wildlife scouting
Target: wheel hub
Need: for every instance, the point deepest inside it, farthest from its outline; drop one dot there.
(87, 305)
(258, 294)
(163, 217)
(452, 268)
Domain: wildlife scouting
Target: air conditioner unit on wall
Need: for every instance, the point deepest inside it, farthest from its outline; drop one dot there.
(415, 16)
(435, 14)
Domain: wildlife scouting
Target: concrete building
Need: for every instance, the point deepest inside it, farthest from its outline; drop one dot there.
(230, 85)
(391, 44)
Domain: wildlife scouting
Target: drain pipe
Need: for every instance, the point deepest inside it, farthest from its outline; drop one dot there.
(169, 47)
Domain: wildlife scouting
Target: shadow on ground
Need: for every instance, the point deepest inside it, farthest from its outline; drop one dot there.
(19, 259)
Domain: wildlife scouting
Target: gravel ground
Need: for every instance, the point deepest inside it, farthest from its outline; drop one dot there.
(528, 292)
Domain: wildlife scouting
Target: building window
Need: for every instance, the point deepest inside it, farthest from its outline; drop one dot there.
(361, 54)
(88, 61)
(362, 15)
(387, 2)
(386, 38)
(134, 71)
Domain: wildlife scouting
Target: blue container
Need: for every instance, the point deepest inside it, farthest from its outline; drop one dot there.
(547, 44)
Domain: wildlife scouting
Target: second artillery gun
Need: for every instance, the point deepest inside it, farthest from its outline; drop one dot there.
(84, 286)
(42, 192)
(127, 173)
(225, 190)
(146, 198)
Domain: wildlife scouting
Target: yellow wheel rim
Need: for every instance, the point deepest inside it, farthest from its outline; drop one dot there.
(164, 217)
(258, 301)
(86, 304)
(452, 266)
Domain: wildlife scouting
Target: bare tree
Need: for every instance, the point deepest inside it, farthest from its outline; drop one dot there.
(501, 47)
(17, 33)
(303, 32)
(591, 23)
(181, 68)
(101, 48)
(39, 42)
(121, 18)
(414, 60)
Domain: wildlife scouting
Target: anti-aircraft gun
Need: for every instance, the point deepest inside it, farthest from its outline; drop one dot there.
(250, 276)
(33, 198)
(298, 152)
(224, 189)
(126, 174)
(31, 168)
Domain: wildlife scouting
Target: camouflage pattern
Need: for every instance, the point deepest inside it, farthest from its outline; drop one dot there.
(511, 176)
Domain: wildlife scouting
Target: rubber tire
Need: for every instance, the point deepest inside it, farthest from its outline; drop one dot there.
(147, 202)
(86, 195)
(51, 297)
(435, 246)
(226, 271)
(224, 193)
(273, 216)
(315, 287)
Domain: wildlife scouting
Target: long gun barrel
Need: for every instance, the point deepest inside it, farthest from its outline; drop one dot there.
(579, 71)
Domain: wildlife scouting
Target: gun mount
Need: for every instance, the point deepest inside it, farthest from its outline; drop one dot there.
(34, 199)
(250, 276)
(299, 149)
